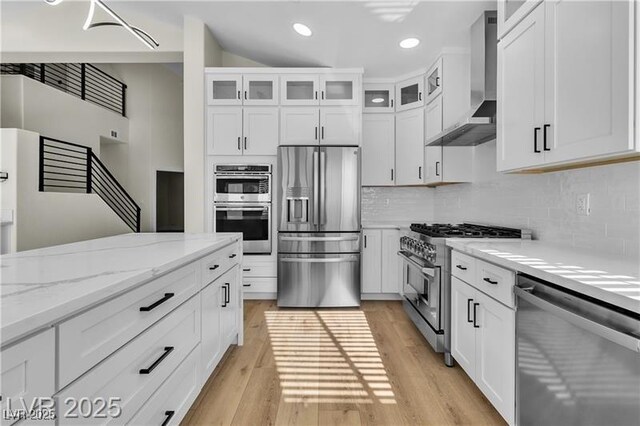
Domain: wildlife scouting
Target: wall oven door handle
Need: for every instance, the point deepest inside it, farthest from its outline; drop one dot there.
(426, 271)
(319, 259)
(241, 209)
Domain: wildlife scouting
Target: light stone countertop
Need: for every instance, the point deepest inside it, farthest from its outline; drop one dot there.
(385, 225)
(601, 276)
(39, 288)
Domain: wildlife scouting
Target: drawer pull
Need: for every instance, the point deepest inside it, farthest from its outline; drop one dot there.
(246, 269)
(167, 351)
(169, 414)
(246, 285)
(154, 305)
(490, 281)
(232, 256)
(214, 267)
(461, 267)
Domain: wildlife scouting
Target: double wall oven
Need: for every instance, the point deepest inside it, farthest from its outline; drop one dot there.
(242, 203)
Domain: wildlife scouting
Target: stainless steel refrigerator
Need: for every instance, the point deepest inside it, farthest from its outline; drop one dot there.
(319, 226)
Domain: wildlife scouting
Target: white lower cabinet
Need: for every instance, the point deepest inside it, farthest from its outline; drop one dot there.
(483, 343)
(211, 344)
(380, 270)
(231, 303)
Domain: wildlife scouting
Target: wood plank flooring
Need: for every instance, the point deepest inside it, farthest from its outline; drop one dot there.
(367, 366)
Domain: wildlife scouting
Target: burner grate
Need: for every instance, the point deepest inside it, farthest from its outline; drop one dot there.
(465, 230)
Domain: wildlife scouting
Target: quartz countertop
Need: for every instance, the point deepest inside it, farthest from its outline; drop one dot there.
(39, 288)
(385, 225)
(599, 275)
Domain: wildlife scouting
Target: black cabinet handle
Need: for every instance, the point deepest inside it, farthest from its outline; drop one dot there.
(154, 305)
(316, 94)
(490, 281)
(316, 137)
(323, 94)
(231, 256)
(419, 96)
(246, 285)
(475, 315)
(228, 293)
(245, 142)
(391, 175)
(437, 81)
(322, 133)
(544, 137)
(239, 148)
(245, 94)
(365, 241)
(169, 414)
(420, 172)
(469, 310)
(224, 301)
(238, 94)
(167, 351)
(535, 139)
(437, 164)
(247, 269)
(391, 103)
(461, 267)
(214, 267)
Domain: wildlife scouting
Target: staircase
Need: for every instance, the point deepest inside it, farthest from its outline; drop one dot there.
(69, 167)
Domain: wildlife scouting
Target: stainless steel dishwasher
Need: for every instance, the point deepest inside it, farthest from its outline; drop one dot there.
(577, 359)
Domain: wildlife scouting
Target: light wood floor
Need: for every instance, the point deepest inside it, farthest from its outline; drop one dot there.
(367, 366)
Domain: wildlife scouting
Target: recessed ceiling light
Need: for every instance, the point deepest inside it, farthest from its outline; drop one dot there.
(302, 29)
(408, 43)
(377, 100)
(53, 2)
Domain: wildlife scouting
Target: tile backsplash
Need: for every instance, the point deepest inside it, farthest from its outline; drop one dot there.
(397, 204)
(546, 203)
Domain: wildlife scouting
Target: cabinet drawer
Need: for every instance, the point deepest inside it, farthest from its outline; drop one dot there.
(28, 370)
(135, 371)
(463, 266)
(260, 285)
(495, 281)
(90, 337)
(217, 263)
(169, 404)
(262, 269)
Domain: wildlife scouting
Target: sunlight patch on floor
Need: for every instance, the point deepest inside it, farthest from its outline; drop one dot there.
(327, 357)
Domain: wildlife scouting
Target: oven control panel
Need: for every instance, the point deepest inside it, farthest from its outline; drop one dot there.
(418, 248)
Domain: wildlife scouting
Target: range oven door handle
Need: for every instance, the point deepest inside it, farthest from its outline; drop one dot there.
(425, 271)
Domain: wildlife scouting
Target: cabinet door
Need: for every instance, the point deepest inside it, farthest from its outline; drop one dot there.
(211, 339)
(299, 89)
(378, 97)
(434, 81)
(495, 354)
(231, 303)
(340, 89)
(521, 94)
(224, 131)
(410, 147)
(340, 125)
(260, 129)
(432, 164)
(390, 264)
(588, 79)
(409, 93)
(260, 89)
(433, 118)
(371, 261)
(510, 12)
(224, 89)
(463, 334)
(378, 149)
(299, 126)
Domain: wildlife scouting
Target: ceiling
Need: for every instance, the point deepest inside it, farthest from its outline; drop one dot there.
(345, 33)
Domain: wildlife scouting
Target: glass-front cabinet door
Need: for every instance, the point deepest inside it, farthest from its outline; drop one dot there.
(434, 81)
(339, 89)
(299, 89)
(409, 93)
(510, 12)
(378, 97)
(224, 89)
(260, 89)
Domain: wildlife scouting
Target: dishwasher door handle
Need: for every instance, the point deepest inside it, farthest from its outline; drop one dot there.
(607, 333)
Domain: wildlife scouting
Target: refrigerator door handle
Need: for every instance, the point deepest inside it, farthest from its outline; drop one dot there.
(323, 177)
(349, 238)
(319, 260)
(316, 185)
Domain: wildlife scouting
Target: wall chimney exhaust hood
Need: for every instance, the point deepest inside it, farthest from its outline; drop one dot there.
(479, 124)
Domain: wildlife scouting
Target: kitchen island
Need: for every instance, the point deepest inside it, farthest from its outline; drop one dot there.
(135, 321)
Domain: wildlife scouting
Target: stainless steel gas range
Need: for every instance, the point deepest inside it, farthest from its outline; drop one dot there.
(426, 275)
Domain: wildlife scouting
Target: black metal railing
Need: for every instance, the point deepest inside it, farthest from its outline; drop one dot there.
(69, 167)
(82, 80)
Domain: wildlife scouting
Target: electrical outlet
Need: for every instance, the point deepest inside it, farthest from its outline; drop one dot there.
(583, 207)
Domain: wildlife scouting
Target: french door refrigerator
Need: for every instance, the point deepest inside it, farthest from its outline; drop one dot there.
(319, 226)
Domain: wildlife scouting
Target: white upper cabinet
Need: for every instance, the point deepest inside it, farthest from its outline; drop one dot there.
(410, 147)
(510, 12)
(260, 131)
(378, 149)
(340, 89)
(224, 131)
(340, 126)
(260, 89)
(224, 89)
(409, 93)
(378, 97)
(299, 126)
(299, 89)
(434, 81)
(432, 165)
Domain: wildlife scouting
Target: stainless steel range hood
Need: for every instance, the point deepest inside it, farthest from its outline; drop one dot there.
(478, 125)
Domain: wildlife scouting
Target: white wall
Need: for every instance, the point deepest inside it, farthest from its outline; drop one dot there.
(49, 218)
(546, 203)
(398, 204)
(232, 60)
(200, 51)
(30, 105)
